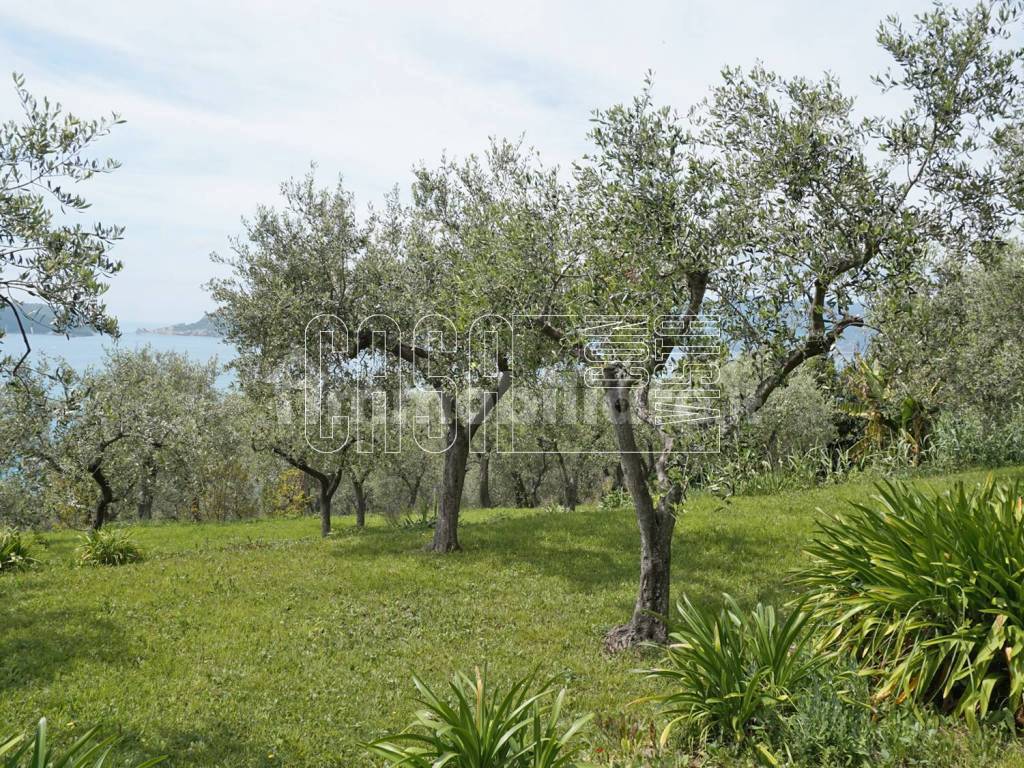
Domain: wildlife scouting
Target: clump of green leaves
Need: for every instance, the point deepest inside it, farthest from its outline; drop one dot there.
(37, 752)
(482, 727)
(731, 672)
(108, 547)
(554, 508)
(616, 500)
(927, 592)
(15, 551)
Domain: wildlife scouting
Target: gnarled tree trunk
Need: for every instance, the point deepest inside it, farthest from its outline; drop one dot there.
(106, 495)
(453, 479)
(324, 504)
(456, 460)
(656, 523)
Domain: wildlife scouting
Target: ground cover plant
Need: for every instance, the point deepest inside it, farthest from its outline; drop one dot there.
(256, 643)
(109, 547)
(926, 590)
(15, 550)
(88, 751)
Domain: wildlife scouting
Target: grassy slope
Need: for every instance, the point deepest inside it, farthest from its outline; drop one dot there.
(258, 644)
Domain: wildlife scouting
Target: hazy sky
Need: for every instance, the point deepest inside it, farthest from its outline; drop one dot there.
(224, 100)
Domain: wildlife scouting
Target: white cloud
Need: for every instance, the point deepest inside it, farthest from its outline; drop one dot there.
(224, 100)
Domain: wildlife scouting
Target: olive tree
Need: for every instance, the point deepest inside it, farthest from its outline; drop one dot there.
(115, 426)
(953, 346)
(780, 210)
(293, 267)
(43, 158)
(471, 253)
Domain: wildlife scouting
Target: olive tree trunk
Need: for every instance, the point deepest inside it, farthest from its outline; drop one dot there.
(324, 503)
(570, 485)
(485, 481)
(453, 479)
(106, 495)
(456, 460)
(656, 523)
(359, 491)
(414, 491)
(146, 489)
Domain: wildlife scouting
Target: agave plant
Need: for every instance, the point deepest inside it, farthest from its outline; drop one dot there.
(927, 592)
(37, 752)
(730, 672)
(110, 547)
(482, 728)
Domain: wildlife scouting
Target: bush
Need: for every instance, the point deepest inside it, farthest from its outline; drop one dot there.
(482, 728)
(36, 752)
(968, 437)
(830, 722)
(15, 551)
(833, 725)
(732, 672)
(616, 500)
(928, 594)
(108, 547)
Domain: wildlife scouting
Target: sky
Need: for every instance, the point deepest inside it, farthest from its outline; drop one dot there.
(224, 100)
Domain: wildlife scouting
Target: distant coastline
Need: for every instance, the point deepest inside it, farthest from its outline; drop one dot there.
(203, 327)
(37, 319)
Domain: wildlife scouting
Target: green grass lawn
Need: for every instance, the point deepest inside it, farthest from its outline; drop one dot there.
(259, 644)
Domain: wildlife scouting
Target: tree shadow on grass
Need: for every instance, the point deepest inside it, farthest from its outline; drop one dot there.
(218, 743)
(214, 744)
(35, 645)
(590, 550)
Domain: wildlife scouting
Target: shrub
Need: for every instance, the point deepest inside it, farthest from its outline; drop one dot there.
(927, 592)
(108, 547)
(482, 728)
(285, 495)
(731, 672)
(15, 551)
(830, 722)
(616, 500)
(969, 437)
(36, 752)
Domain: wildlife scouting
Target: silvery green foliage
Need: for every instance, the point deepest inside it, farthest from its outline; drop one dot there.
(955, 343)
(796, 419)
(88, 436)
(42, 160)
(847, 205)
(780, 208)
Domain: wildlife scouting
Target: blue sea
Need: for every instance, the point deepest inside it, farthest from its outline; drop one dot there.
(81, 352)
